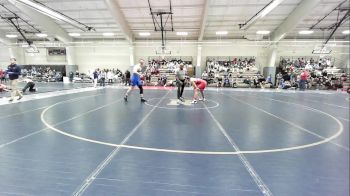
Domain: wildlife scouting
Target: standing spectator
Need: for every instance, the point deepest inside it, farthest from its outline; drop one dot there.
(110, 76)
(71, 76)
(102, 78)
(303, 79)
(2, 76)
(14, 71)
(95, 75)
(127, 78)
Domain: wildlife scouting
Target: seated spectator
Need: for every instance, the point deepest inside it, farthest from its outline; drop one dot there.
(286, 85)
(227, 82)
(261, 81)
(269, 79)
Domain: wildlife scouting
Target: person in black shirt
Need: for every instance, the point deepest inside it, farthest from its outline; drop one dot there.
(14, 71)
(127, 78)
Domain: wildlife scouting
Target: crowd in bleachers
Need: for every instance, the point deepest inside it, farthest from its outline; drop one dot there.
(162, 72)
(310, 63)
(310, 73)
(101, 76)
(42, 73)
(237, 72)
(292, 73)
(37, 73)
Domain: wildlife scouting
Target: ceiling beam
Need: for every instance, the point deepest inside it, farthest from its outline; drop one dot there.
(48, 24)
(260, 14)
(337, 25)
(204, 20)
(119, 18)
(297, 15)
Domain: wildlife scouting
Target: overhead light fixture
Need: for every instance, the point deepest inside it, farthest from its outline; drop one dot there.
(306, 32)
(108, 34)
(41, 35)
(144, 34)
(74, 34)
(263, 32)
(11, 36)
(262, 13)
(221, 32)
(182, 33)
(53, 14)
(346, 32)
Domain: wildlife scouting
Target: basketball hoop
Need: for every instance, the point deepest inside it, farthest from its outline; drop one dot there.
(162, 51)
(32, 49)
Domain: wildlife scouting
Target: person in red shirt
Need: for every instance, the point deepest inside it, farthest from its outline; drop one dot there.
(2, 75)
(303, 79)
(198, 86)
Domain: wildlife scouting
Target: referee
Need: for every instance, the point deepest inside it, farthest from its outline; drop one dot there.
(180, 81)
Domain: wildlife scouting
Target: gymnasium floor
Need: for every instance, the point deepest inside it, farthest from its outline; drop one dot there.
(239, 142)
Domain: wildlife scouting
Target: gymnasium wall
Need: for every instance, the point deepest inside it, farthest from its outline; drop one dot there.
(178, 49)
(118, 56)
(41, 58)
(340, 53)
(4, 57)
(108, 57)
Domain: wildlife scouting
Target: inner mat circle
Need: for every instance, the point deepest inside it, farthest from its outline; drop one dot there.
(323, 141)
(175, 104)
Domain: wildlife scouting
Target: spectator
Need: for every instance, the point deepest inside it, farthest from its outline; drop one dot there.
(2, 76)
(303, 79)
(95, 77)
(279, 77)
(102, 78)
(127, 78)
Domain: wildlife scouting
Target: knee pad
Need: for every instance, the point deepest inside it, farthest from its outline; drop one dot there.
(141, 89)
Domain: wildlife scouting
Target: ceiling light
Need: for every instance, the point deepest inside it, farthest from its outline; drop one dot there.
(41, 35)
(263, 32)
(11, 36)
(182, 33)
(108, 34)
(74, 34)
(346, 32)
(221, 32)
(144, 34)
(306, 32)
